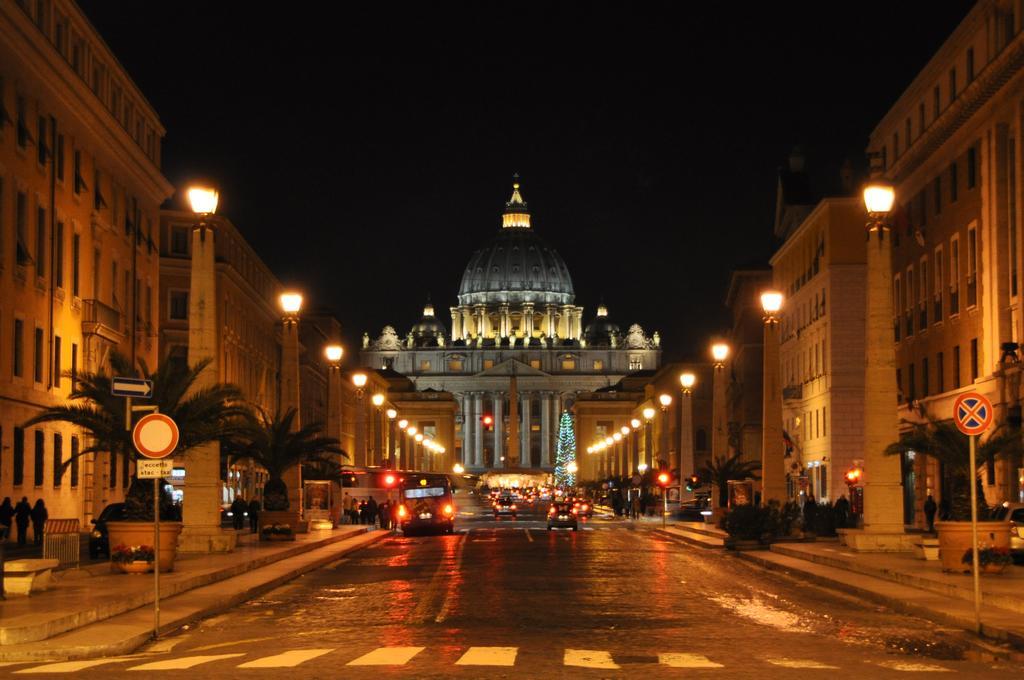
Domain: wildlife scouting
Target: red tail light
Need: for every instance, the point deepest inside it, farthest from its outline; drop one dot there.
(448, 510)
(402, 512)
(551, 510)
(513, 507)
(575, 511)
(584, 507)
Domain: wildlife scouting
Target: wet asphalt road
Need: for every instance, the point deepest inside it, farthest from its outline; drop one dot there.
(508, 599)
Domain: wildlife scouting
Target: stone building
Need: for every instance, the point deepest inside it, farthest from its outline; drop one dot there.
(745, 367)
(951, 144)
(518, 349)
(80, 191)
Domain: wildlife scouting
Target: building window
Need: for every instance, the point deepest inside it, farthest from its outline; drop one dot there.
(922, 305)
(425, 365)
(74, 462)
(58, 459)
(37, 358)
(40, 241)
(956, 366)
(895, 145)
(897, 305)
(938, 289)
(972, 267)
(899, 385)
(56, 361)
(952, 85)
(598, 365)
(19, 456)
(78, 181)
(924, 377)
(74, 365)
(488, 363)
(179, 305)
(568, 364)
(952, 182)
(455, 365)
(21, 124)
(970, 64)
(19, 348)
(22, 256)
(389, 363)
(59, 158)
(954, 276)
(535, 363)
(37, 467)
(41, 150)
(179, 240)
(911, 383)
(636, 364)
(936, 106)
(972, 166)
(974, 359)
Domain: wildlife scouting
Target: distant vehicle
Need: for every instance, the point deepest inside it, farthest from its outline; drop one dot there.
(427, 503)
(563, 516)
(1014, 513)
(583, 507)
(505, 507)
(99, 541)
(693, 510)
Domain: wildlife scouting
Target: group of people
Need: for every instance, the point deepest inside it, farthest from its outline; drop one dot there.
(238, 509)
(20, 516)
(367, 511)
(633, 503)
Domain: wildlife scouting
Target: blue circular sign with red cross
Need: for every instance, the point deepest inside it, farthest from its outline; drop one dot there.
(972, 413)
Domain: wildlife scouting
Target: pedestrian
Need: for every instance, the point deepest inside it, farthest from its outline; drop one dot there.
(810, 513)
(39, 517)
(238, 509)
(945, 509)
(346, 508)
(361, 514)
(6, 518)
(384, 513)
(635, 507)
(929, 512)
(22, 515)
(254, 514)
(371, 510)
(842, 508)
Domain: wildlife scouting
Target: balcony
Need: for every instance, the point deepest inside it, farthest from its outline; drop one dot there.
(102, 320)
(792, 392)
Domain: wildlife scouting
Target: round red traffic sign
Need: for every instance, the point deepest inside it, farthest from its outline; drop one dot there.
(972, 413)
(155, 436)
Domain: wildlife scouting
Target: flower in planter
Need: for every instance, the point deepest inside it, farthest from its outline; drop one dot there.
(988, 555)
(277, 530)
(124, 554)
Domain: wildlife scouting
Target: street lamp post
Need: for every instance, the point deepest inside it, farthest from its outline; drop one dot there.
(333, 354)
(648, 457)
(391, 414)
(202, 532)
(687, 466)
(291, 305)
(377, 431)
(616, 461)
(403, 449)
(773, 486)
(720, 424)
(359, 380)
(665, 457)
(633, 454)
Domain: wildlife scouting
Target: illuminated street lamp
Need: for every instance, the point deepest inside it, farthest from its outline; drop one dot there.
(663, 448)
(648, 413)
(687, 380)
(333, 354)
(378, 400)
(773, 485)
(391, 448)
(291, 304)
(719, 434)
(203, 200)
(458, 469)
(719, 352)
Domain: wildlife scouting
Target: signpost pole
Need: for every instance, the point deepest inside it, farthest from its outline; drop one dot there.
(974, 537)
(156, 558)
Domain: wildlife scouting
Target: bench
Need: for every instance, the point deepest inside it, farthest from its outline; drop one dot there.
(926, 548)
(24, 577)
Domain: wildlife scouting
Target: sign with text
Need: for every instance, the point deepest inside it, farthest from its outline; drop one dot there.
(154, 469)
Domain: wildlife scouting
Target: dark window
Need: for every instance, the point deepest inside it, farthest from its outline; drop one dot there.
(179, 240)
(56, 361)
(59, 157)
(79, 181)
(899, 385)
(37, 467)
(938, 194)
(58, 459)
(74, 462)
(113, 470)
(940, 369)
(952, 85)
(974, 359)
(40, 241)
(98, 201)
(21, 123)
(911, 383)
(41, 150)
(924, 377)
(956, 366)
(21, 228)
(952, 182)
(179, 305)
(58, 256)
(19, 456)
(19, 347)
(74, 365)
(37, 359)
(970, 64)
(936, 106)
(76, 270)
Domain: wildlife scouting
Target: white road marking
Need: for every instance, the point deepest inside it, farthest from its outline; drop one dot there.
(72, 666)
(288, 659)
(528, 535)
(183, 662)
(387, 656)
(800, 663)
(912, 667)
(488, 656)
(589, 658)
(687, 661)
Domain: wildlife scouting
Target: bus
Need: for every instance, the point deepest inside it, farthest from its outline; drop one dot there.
(426, 503)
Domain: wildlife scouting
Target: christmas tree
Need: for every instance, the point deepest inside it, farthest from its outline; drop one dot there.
(565, 453)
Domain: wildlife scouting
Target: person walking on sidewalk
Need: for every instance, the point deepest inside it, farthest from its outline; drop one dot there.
(929, 512)
(254, 515)
(238, 508)
(842, 512)
(384, 513)
(39, 517)
(634, 507)
(371, 511)
(22, 515)
(810, 513)
(6, 517)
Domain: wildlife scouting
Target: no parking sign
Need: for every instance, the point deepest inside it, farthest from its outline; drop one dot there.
(972, 413)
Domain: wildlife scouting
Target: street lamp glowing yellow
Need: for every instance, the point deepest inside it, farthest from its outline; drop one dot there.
(687, 380)
(571, 468)
(334, 353)
(879, 198)
(419, 437)
(392, 414)
(719, 352)
(291, 303)
(412, 431)
(359, 380)
(635, 422)
(402, 424)
(624, 430)
(590, 449)
(665, 400)
(617, 437)
(771, 302)
(649, 413)
(608, 441)
(377, 399)
(642, 468)
(203, 200)
(458, 469)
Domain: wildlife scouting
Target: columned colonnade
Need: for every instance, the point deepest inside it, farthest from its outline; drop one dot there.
(475, 439)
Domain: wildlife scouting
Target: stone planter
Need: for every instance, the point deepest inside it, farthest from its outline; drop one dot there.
(139, 567)
(141, 533)
(269, 518)
(955, 540)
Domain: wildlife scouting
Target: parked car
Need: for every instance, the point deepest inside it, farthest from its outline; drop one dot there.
(98, 539)
(1014, 512)
(563, 516)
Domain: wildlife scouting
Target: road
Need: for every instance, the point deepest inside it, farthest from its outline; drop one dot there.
(508, 599)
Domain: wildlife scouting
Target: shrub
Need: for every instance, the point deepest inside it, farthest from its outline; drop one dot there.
(124, 554)
(988, 555)
(754, 523)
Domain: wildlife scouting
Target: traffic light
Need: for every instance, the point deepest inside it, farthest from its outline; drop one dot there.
(692, 482)
(663, 479)
(488, 422)
(389, 481)
(853, 476)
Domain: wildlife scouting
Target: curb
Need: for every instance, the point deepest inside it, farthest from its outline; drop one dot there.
(218, 602)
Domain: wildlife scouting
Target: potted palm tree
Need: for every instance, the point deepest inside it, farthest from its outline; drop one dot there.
(721, 470)
(202, 415)
(944, 442)
(275, 444)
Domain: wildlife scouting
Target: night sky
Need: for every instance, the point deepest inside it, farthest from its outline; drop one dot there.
(366, 150)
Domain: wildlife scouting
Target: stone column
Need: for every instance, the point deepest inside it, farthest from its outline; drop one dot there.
(499, 429)
(468, 329)
(334, 401)
(478, 431)
(504, 321)
(720, 416)
(524, 434)
(202, 532)
(545, 430)
(290, 400)
(686, 462)
(527, 325)
(359, 456)
(481, 326)
(550, 326)
(773, 450)
(465, 406)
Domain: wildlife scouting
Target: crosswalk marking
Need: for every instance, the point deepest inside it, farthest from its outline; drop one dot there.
(589, 658)
(288, 659)
(687, 661)
(182, 663)
(69, 666)
(386, 656)
(912, 667)
(800, 663)
(488, 656)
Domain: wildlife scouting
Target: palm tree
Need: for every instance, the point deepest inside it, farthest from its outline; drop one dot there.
(944, 442)
(203, 415)
(722, 470)
(274, 444)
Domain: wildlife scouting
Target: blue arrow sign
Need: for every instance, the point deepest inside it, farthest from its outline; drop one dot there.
(131, 387)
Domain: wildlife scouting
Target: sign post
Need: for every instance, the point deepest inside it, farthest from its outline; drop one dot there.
(155, 437)
(972, 413)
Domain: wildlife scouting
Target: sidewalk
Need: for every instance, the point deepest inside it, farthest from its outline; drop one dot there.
(905, 583)
(91, 612)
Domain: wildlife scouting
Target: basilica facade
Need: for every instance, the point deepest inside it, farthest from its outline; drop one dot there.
(517, 351)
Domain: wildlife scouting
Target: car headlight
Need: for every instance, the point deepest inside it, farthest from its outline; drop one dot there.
(97, 534)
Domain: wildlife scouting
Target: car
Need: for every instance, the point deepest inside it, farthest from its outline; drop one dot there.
(694, 510)
(99, 541)
(1014, 513)
(563, 516)
(505, 507)
(584, 508)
